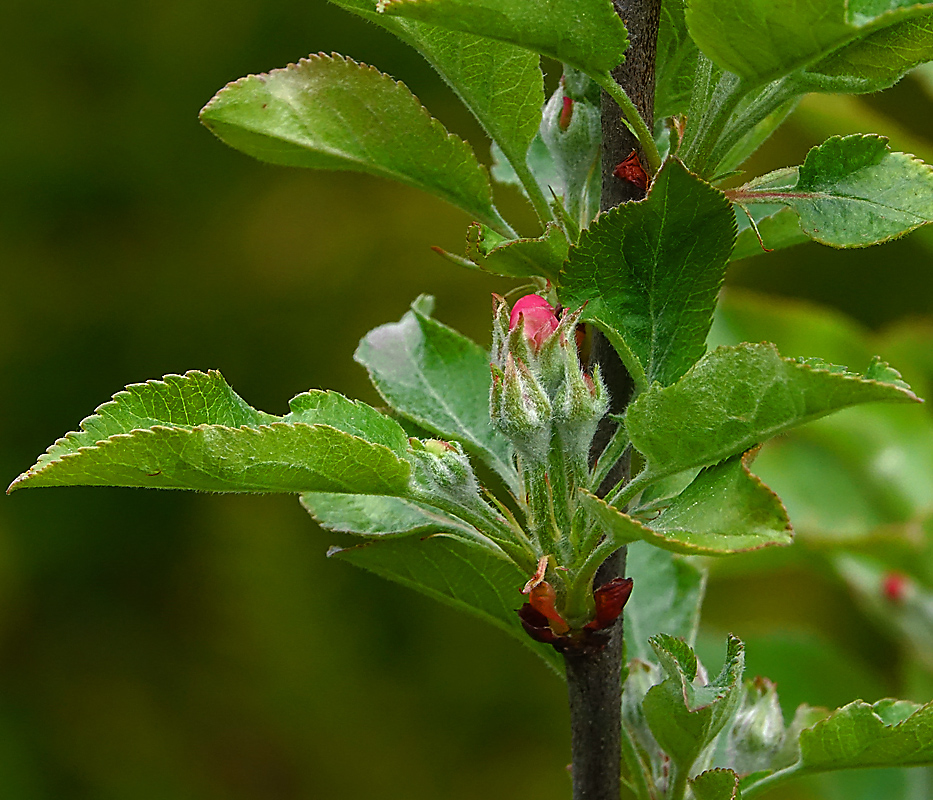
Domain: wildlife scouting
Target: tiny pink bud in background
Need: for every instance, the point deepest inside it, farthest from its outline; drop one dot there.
(894, 585)
(539, 316)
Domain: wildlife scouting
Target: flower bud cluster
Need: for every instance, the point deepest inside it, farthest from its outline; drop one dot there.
(541, 395)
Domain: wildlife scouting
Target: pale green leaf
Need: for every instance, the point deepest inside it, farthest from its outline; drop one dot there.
(666, 598)
(439, 379)
(716, 784)
(683, 716)
(851, 191)
(349, 416)
(725, 510)
(764, 40)
(676, 61)
(737, 397)
(518, 258)
(587, 34)
(328, 112)
(377, 515)
(280, 457)
(500, 83)
(456, 573)
(649, 273)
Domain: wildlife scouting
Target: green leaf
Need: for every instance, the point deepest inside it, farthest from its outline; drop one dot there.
(461, 575)
(684, 717)
(279, 457)
(666, 598)
(764, 40)
(890, 733)
(737, 397)
(349, 416)
(332, 113)
(649, 273)
(439, 379)
(193, 431)
(778, 226)
(676, 61)
(500, 83)
(377, 515)
(518, 258)
(584, 33)
(725, 510)
(851, 191)
(716, 784)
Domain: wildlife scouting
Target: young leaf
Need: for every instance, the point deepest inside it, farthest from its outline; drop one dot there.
(328, 112)
(377, 515)
(587, 34)
(676, 61)
(649, 273)
(716, 784)
(466, 577)
(764, 40)
(684, 717)
(725, 510)
(666, 599)
(851, 191)
(349, 416)
(279, 457)
(500, 83)
(518, 258)
(737, 397)
(439, 379)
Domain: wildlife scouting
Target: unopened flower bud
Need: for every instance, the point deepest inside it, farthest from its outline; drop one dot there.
(520, 409)
(538, 316)
(758, 731)
(443, 468)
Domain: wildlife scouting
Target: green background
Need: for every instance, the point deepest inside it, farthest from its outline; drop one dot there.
(167, 645)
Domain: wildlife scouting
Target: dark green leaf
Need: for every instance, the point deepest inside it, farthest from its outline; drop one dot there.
(332, 113)
(584, 33)
(650, 271)
(279, 457)
(440, 380)
(851, 191)
(466, 577)
(500, 83)
(737, 397)
(666, 598)
(716, 784)
(764, 40)
(518, 258)
(684, 717)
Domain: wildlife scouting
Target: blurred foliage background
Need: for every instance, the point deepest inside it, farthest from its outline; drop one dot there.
(157, 645)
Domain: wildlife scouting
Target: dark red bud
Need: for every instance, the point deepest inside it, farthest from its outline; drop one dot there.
(610, 599)
(894, 586)
(632, 171)
(536, 625)
(565, 114)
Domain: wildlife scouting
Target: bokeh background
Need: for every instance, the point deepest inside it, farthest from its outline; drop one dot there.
(168, 645)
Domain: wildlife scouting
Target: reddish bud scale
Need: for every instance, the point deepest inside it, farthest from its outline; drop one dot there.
(610, 599)
(566, 114)
(632, 171)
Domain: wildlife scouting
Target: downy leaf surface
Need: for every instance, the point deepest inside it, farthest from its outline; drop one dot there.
(649, 273)
(586, 34)
(716, 784)
(737, 397)
(851, 191)
(439, 379)
(377, 515)
(501, 84)
(329, 112)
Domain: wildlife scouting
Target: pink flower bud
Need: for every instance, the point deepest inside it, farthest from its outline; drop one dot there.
(539, 318)
(566, 114)
(895, 586)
